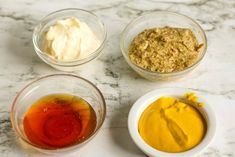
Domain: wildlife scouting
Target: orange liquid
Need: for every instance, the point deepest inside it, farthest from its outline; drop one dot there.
(59, 120)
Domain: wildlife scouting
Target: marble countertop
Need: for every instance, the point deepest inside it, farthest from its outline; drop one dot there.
(19, 65)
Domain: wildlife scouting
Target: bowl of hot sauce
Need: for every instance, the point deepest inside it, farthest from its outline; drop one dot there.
(58, 113)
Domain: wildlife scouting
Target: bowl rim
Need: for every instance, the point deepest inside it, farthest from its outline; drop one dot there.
(54, 61)
(12, 119)
(129, 26)
(144, 101)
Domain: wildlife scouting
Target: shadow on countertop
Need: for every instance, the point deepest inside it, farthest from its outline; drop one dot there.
(121, 136)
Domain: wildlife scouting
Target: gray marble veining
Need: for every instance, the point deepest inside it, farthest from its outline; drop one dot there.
(19, 63)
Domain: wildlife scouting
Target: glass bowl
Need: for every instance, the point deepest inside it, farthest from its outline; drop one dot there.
(95, 24)
(160, 19)
(51, 84)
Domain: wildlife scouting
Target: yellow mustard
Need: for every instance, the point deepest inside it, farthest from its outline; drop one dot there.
(171, 126)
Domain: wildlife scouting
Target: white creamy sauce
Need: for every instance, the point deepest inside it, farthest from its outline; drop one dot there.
(70, 39)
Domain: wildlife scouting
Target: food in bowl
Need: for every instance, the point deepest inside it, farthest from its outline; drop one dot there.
(172, 126)
(198, 101)
(70, 39)
(58, 113)
(165, 49)
(160, 19)
(59, 120)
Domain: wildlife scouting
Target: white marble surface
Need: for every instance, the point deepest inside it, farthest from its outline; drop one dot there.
(120, 85)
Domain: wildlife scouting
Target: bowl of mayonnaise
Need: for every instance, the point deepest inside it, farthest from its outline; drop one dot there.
(68, 38)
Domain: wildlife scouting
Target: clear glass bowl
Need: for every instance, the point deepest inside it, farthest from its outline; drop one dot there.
(96, 25)
(160, 19)
(51, 84)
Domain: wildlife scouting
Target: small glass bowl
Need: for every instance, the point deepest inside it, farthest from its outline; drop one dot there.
(160, 19)
(95, 24)
(51, 84)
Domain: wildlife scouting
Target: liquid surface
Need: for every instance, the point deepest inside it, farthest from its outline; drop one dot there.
(59, 120)
(171, 126)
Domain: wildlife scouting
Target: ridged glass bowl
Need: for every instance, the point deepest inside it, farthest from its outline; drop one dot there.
(95, 24)
(52, 84)
(161, 19)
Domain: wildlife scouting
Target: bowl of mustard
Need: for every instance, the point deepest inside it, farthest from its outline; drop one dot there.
(172, 122)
